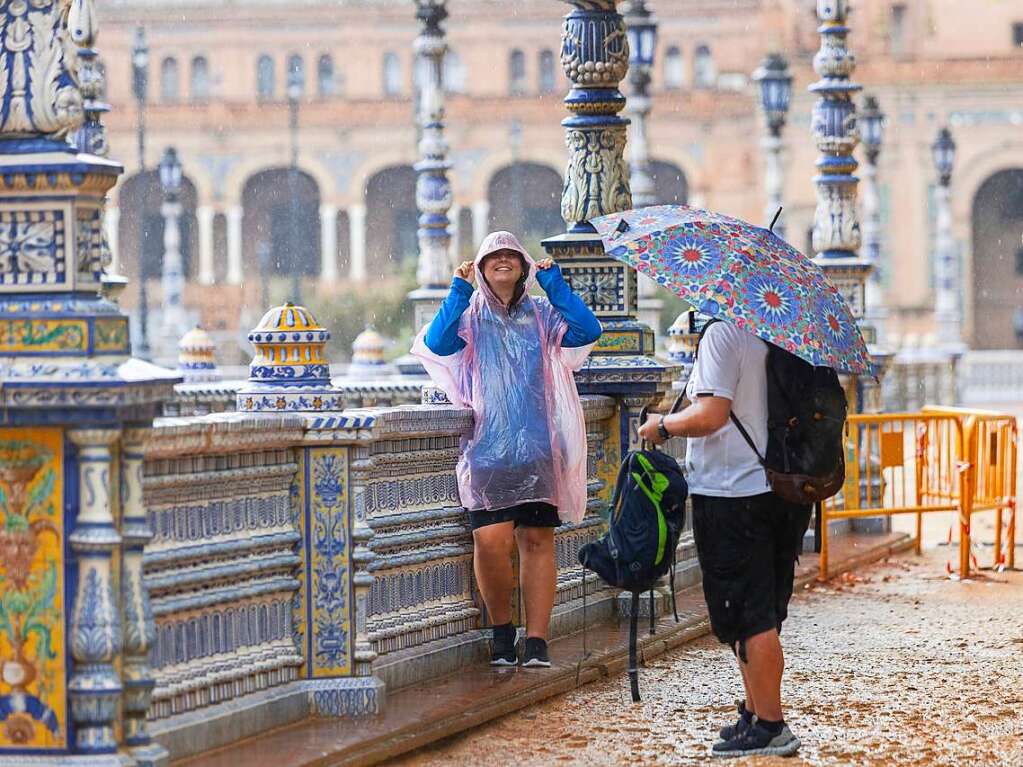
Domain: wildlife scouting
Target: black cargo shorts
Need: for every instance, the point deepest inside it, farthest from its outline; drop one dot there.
(747, 549)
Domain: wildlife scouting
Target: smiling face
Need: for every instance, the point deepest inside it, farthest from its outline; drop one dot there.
(503, 269)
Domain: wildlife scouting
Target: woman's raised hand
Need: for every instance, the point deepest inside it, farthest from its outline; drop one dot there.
(467, 271)
(544, 265)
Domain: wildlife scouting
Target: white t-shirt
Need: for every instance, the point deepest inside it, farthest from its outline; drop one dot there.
(730, 363)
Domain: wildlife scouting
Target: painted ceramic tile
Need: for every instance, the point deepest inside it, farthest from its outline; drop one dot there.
(32, 653)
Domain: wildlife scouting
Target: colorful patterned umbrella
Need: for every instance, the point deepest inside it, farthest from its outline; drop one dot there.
(741, 273)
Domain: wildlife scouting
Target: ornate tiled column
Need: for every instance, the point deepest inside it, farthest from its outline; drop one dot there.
(836, 229)
(172, 277)
(94, 689)
(595, 56)
(872, 134)
(433, 189)
(139, 626)
(67, 385)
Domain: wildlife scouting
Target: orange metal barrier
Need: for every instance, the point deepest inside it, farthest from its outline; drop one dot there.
(941, 459)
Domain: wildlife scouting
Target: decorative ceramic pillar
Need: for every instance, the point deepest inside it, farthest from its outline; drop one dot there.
(204, 215)
(95, 688)
(328, 244)
(357, 241)
(595, 57)
(139, 626)
(836, 231)
(111, 226)
(66, 388)
(235, 215)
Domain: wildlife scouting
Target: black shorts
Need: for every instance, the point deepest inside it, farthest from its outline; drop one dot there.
(536, 514)
(748, 548)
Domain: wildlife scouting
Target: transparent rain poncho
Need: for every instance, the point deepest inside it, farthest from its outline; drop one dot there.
(529, 437)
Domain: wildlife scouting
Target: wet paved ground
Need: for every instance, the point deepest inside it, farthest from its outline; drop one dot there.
(895, 665)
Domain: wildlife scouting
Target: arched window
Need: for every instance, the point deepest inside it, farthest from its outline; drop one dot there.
(674, 70)
(704, 74)
(547, 84)
(326, 84)
(200, 86)
(516, 73)
(453, 73)
(265, 85)
(296, 72)
(392, 74)
(170, 85)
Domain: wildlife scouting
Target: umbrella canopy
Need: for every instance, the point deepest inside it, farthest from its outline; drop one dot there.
(741, 273)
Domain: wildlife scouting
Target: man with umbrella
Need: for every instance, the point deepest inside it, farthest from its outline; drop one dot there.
(753, 287)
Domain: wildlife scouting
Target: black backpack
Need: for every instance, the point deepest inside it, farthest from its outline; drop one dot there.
(645, 521)
(806, 414)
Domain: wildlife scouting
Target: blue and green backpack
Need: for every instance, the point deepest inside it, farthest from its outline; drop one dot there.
(645, 521)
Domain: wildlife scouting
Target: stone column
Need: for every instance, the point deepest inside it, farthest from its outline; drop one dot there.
(357, 241)
(94, 689)
(480, 222)
(204, 215)
(139, 626)
(234, 244)
(874, 310)
(328, 243)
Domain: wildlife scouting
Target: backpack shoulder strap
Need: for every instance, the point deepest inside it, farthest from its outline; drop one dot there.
(747, 437)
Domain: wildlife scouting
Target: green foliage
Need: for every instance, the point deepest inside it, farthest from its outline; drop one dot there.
(40, 494)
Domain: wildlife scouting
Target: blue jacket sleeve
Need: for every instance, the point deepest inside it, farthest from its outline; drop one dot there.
(442, 336)
(583, 326)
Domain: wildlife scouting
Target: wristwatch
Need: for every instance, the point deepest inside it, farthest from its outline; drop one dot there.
(661, 430)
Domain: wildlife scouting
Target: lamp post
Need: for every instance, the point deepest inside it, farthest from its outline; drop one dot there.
(872, 123)
(946, 297)
(140, 87)
(172, 276)
(295, 90)
(775, 84)
(641, 28)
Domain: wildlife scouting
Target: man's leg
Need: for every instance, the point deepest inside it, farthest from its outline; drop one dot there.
(539, 576)
(762, 674)
(492, 561)
(751, 701)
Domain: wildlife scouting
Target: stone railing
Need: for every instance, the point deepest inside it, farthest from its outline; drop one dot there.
(306, 563)
(919, 377)
(992, 376)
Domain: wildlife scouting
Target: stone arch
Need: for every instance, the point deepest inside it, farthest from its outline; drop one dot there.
(255, 162)
(391, 219)
(140, 226)
(525, 198)
(281, 223)
(997, 264)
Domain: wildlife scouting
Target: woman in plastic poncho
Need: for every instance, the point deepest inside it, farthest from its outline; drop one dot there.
(522, 472)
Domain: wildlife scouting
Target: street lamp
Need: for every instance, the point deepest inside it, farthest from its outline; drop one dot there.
(775, 84)
(943, 150)
(871, 123)
(139, 87)
(172, 276)
(946, 297)
(296, 86)
(641, 29)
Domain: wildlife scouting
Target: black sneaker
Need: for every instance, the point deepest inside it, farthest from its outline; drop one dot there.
(755, 740)
(535, 653)
(502, 649)
(745, 717)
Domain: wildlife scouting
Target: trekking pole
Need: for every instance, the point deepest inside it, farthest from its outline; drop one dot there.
(633, 664)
